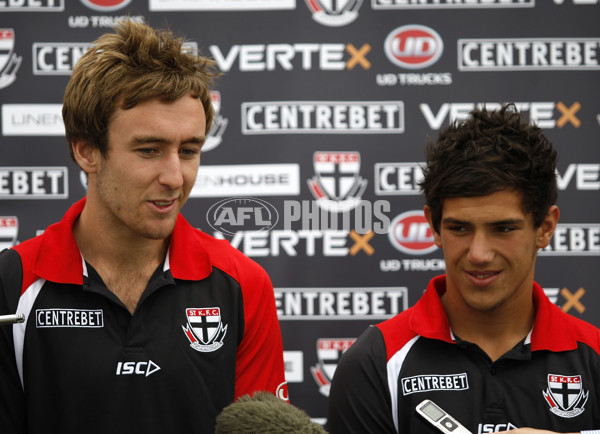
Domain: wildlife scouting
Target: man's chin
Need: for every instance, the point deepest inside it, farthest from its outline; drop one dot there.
(160, 232)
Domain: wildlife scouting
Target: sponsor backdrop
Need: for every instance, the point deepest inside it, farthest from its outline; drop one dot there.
(312, 165)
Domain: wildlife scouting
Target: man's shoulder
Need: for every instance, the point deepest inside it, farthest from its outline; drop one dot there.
(559, 330)
(30, 246)
(584, 331)
(218, 247)
(398, 322)
(9, 260)
(22, 255)
(223, 255)
(397, 331)
(370, 345)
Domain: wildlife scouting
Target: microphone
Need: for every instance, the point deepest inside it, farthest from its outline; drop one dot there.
(12, 319)
(264, 413)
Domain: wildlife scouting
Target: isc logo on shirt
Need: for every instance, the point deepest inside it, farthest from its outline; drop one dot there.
(490, 427)
(137, 368)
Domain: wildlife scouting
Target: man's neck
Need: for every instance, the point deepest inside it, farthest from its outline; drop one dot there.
(104, 248)
(495, 332)
(125, 264)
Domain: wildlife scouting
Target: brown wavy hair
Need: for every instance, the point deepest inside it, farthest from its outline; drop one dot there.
(124, 68)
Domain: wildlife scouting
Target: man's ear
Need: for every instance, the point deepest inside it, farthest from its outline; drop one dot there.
(436, 236)
(546, 229)
(86, 155)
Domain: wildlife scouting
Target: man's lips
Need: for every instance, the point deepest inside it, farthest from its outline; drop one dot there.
(482, 274)
(482, 277)
(163, 205)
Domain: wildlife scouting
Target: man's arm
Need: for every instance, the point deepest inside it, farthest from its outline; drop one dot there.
(260, 353)
(12, 398)
(359, 399)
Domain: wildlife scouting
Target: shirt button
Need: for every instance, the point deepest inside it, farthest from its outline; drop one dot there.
(493, 370)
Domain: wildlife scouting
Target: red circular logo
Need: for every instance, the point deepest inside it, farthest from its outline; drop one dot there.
(413, 46)
(410, 233)
(105, 5)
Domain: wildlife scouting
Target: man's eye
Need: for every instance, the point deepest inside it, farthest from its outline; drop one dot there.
(505, 229)
(189, 152)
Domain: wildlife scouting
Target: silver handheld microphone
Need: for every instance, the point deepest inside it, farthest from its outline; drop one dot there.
(12, 319)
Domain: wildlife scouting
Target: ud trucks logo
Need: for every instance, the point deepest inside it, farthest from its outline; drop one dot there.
(565, 395)
(106, 5)
(204, 329)
(413, 46)
(334, 13)
(410, 233)
(9, 61)
(337, 185)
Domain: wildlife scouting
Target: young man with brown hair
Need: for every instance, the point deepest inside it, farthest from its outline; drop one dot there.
(134, 320)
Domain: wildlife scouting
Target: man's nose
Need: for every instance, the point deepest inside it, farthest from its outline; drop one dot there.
(171, 173)
(480, 250)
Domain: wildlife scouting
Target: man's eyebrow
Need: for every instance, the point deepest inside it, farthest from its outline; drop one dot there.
(453, 221)
(504, 222)
(156, 139)
(196, 139)
(507, 222)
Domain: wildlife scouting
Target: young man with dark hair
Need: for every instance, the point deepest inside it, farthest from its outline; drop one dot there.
(483, 342)
(135, 322)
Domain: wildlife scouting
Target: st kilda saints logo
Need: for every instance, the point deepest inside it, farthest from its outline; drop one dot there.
(329, 352)
(204, 328)
(334, 13)
(215, 134)
(9, 61)
(9, 228)
(565, 395)
(337, 186)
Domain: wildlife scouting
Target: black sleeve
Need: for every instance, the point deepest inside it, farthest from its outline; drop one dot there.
(12, 398)
(359, 399)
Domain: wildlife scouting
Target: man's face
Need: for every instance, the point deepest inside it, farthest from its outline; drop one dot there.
(151, 166)
(490, 247)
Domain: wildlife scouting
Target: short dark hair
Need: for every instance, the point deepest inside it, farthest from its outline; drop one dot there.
(491, 151)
